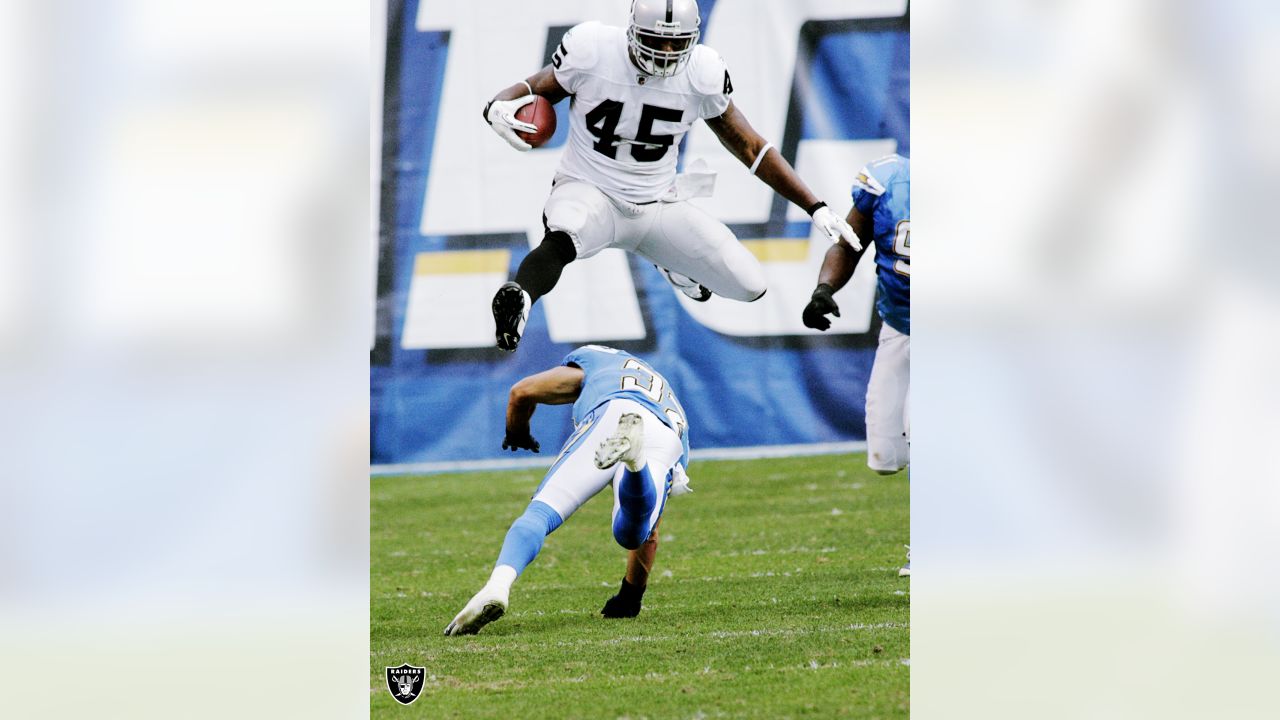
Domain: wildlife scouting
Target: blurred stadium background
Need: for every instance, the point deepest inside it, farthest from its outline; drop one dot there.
(184, 478)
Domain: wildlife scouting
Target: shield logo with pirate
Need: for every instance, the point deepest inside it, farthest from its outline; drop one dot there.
(405, 682)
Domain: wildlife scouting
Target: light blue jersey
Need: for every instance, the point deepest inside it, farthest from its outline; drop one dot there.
(882, 192)
(613, 374)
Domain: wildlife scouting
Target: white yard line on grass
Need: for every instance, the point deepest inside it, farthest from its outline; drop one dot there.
(636, 639)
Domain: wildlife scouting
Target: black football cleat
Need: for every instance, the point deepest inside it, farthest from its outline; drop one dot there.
(626, 604)
(619, 607)
(510, 311)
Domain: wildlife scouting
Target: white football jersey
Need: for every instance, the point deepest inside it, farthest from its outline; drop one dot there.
(625, 127)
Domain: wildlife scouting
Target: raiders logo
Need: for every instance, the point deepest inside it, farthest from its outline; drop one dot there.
(405, 682)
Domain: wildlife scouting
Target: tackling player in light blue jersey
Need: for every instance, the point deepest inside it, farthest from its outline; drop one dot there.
(881, 215)
(611, 373)
(629, 430)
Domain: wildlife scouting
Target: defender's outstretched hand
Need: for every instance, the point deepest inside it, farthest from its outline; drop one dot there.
(501, 116)
(820, 305)
(834, 227)
(519, 440)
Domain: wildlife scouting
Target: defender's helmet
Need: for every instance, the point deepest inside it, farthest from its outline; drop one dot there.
(662, 35)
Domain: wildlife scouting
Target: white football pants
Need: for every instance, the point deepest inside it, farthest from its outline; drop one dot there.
(574, 478)
(888, 390)
(674, 235)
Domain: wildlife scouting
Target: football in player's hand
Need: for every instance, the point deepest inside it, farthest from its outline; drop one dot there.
(541, 114)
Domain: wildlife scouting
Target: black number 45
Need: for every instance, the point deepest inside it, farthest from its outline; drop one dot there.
(602, 123)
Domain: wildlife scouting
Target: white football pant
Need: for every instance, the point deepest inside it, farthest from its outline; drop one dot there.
(673, 235)
(888, 421)
(575, 479)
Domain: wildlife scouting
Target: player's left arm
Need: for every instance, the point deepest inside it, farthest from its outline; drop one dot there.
(842, 258)
(557, 386)
(837, 268)
(739, 138)
(500, 112)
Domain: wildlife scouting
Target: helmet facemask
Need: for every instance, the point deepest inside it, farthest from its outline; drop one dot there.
(661, 52)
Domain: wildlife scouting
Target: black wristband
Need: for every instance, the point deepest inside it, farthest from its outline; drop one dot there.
(814, 207)
(825, 289)
(485, 113)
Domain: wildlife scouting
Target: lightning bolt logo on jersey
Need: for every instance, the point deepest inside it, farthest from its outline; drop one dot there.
(882, 192)
(612, 373)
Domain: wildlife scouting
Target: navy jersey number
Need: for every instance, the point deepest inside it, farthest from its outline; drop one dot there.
(602, 123)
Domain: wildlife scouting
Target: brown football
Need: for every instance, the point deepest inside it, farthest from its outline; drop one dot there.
(541, 114)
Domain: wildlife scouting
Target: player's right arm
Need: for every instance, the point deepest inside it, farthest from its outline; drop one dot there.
(557, 386)
(555, 82)
(542, 83)
(837, 268)
(500, 112)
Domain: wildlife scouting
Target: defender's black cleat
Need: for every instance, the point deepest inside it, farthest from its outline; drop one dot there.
(626, 604)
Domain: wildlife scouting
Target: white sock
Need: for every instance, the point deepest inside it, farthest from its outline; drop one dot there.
(503, 576)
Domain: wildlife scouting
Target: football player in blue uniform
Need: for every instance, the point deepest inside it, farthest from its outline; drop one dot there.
(629, 430)
(881, 214)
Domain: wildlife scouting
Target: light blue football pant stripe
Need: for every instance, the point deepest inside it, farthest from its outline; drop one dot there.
(524, 539)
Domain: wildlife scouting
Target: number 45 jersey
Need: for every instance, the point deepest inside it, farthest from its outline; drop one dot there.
(625, 126)
(612, 373)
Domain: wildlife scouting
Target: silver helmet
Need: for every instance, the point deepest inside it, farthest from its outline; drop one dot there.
(662, 35)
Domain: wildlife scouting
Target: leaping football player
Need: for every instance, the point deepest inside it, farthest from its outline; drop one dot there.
(629, 430)
(636, 92)
(881, 215)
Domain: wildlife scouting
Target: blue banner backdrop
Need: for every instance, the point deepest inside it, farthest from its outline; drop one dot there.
(439, 404)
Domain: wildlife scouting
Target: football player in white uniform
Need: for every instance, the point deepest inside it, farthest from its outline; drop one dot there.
(636, 92)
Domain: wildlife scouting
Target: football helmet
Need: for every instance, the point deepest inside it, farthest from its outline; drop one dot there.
(662, 35)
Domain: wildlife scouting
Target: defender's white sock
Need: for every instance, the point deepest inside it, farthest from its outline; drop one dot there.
(503, 576)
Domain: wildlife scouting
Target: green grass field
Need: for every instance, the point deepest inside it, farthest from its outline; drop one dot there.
(775, 595)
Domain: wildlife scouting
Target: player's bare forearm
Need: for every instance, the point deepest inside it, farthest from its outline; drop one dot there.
(842, 259)
(739, 138)
(640, 560)
(838, 266)
(542, 83)
(557, 386)
(778, 174)
(519, 411)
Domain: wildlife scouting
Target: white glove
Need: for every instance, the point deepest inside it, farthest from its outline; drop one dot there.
(835, 227)
(679, 481)
(501, 116)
